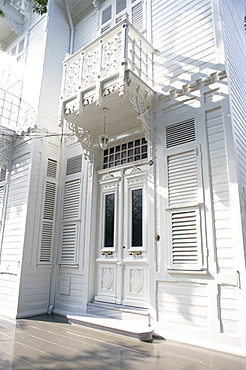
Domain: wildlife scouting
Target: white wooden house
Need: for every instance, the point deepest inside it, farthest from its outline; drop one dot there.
(152, 227)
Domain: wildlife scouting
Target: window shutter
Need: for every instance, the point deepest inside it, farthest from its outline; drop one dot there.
(3, 174)
(74, 165)
(180, 133)
(182, 179)
(47, 225)
(137, 16)
(68, 253)
(185, 241)
(51, 168)
(71, 199)
(71, 206)
(184, 198)
(1, 203)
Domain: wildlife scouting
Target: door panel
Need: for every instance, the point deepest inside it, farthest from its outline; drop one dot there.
(122, 256)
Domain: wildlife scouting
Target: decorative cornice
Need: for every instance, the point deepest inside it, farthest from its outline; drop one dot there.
(188, 88)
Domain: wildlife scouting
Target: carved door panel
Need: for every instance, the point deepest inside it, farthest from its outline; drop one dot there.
(121, 244)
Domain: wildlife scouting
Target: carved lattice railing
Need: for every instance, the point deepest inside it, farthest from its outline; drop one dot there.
(15, 113)
(100, 66)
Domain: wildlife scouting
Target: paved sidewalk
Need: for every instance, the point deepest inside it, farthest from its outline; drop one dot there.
(49, 342)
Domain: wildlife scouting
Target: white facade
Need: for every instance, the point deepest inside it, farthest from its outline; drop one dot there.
(157, 221)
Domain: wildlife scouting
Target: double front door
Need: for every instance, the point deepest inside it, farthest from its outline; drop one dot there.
(122, 219)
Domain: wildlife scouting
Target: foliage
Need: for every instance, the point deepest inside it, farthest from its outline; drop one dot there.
(40, 6)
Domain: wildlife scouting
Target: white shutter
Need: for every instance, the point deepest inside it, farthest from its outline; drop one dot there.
(185, 237)
(51, 168)
(180, 133)
(71, 207)
(137, 16)
(1, 201)
(68, 253)
(182, 179)
(46, 242)
(71, 199)
(74, 165)
(184, 201)
(47, 224)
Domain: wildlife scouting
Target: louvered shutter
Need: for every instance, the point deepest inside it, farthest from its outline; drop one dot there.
(71, 199)
(47, 225)
(74, 165)
(185, 237)
(1, 204)
(182, 179)
(183, 171)
(68, 252)
(48, 217)
(137, 16)
(51, 168)
(71, 207)
(180, 133)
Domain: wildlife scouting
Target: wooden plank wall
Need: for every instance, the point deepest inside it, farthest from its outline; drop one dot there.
(183, 34)
(235, 45)
(12, 245)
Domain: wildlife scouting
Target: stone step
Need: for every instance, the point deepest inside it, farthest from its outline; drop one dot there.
(133, 314)
(123, 327)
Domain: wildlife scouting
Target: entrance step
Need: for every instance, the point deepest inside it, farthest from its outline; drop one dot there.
(115, 311)
(123, 327)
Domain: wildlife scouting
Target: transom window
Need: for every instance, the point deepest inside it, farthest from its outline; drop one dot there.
(131, 151)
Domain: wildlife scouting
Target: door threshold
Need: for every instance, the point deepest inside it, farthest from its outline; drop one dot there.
(122, 327)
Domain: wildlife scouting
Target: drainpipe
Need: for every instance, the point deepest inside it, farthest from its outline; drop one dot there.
(70, 21)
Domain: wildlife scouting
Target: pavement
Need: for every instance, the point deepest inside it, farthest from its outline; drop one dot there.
(49, 342)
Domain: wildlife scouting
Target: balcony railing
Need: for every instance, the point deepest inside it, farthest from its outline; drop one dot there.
(15, 113)
(99, 68)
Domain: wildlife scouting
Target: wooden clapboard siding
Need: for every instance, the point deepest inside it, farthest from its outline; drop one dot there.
(183, 305)
(85, 30)
(13, 237)
(57, 45)
(220, 190)
(184, 37)
(73, 299)
(35, 291)
(229, 310)
(235, 46)
(34, 64)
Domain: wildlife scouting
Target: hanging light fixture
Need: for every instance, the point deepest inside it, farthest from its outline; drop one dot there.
(104, 139)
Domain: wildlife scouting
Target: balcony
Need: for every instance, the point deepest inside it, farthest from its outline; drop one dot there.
(15, 12)
(114, 71)
(15, 114)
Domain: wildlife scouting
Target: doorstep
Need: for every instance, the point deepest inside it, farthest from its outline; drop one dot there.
(123, 327)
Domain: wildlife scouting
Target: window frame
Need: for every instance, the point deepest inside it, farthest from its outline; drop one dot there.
(116, 18)
(134, 181)
(108, 186)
